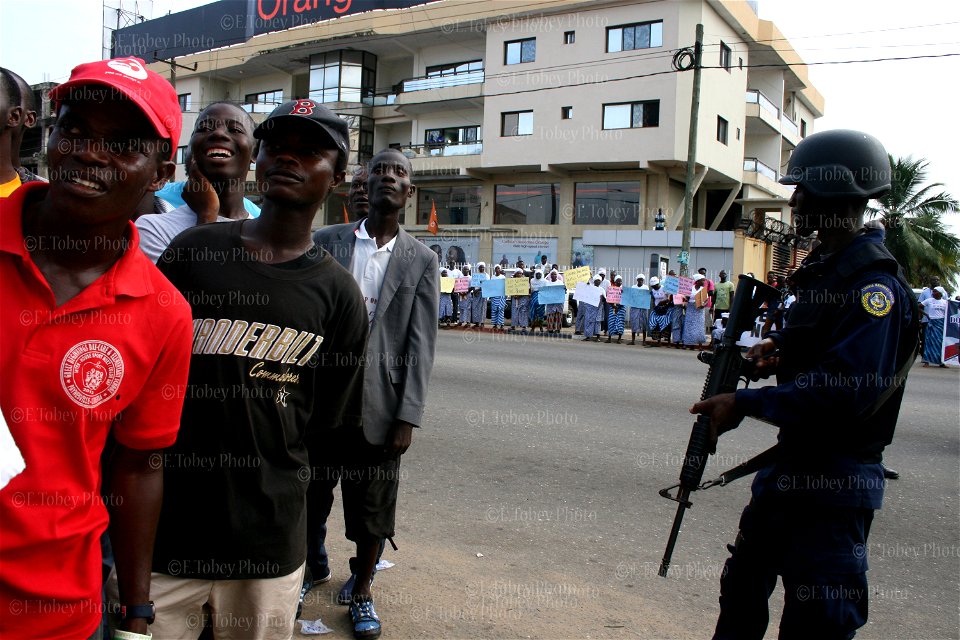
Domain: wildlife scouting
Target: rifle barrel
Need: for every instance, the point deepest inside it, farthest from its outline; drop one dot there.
(674, 533)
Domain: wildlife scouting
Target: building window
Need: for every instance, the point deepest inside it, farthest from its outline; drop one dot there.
(343, 76)
(607, 203)
(741, 63)
(643, 35)
(517, 123)
(455, 205)
(181, 152)
(453, 68)
(803, 128)
(263, 102)
(184, 100)
(725, 56)
(527, 204)
(518, 51)
(721, 130)
(631, 115)
(566, 113)
(451, 136)
(361, 138)
(738, 133)
(569, 37)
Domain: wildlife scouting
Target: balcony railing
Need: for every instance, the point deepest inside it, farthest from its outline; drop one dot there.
(446, 80)
(755, 96)
(789, 125)
(380, 99)
(446, 150)
(752, 164)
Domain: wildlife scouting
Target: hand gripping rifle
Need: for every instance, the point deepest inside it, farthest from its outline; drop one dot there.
(727, 366)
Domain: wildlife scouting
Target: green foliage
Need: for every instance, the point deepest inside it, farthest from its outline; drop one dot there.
(913, 216)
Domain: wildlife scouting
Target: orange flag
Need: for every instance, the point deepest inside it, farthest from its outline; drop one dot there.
(432, 226)
(346, 218)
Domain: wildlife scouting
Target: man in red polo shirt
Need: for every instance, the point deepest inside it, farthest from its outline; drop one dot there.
(95, 342)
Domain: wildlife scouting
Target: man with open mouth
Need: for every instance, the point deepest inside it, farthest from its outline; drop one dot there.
(96, 342)
(220, 152)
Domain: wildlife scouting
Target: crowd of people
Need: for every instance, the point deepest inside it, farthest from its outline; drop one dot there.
(692, 321)
(200, 376)
(199, 381)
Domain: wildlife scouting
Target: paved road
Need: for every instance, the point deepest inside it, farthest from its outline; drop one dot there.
(545, 456)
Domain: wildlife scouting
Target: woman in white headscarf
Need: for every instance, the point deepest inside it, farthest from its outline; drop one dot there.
(639, 317)
(554, 311)
(520, 307)
(935, 308)
(616, 313)
(660, 312)
(466, 303)
(591, 313)
(694, 333)
(498, 304)
(446, 302)
(478, 304)
(537, 315)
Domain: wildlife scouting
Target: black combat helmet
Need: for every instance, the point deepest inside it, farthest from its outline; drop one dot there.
(840, 163)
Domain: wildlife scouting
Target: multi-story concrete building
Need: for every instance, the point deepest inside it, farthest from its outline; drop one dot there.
(554, 126)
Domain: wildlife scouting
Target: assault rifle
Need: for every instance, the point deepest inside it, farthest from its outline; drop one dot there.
(727, 366)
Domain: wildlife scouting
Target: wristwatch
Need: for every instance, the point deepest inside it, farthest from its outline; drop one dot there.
(147, 611)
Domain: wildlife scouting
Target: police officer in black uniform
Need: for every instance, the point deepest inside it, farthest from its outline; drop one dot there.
(840, 366)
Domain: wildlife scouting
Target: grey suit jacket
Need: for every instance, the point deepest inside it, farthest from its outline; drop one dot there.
(403, 335)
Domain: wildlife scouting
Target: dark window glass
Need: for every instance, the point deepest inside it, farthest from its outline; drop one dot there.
(455, 205)
(613, 203)
(527, 204)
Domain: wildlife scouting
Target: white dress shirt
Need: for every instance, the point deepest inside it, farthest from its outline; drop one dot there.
(369, 266)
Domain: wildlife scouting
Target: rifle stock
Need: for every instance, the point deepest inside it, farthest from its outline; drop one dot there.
(726, 367)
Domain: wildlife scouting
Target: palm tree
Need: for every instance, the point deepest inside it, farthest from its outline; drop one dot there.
(915, 232)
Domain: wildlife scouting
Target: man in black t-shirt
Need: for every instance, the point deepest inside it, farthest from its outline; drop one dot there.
(279, 336)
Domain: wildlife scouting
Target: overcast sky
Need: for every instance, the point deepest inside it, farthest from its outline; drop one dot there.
(909, 105)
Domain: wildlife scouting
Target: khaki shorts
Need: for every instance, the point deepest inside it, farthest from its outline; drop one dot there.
(259, 609)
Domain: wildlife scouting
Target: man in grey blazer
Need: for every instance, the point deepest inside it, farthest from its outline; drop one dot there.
(398, 277)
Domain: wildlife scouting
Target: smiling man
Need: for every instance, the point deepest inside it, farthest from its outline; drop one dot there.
(221, 149)
(95, 342)
(399, 280)
(279, 334)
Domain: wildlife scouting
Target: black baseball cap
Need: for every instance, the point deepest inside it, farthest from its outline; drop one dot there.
(335, 127)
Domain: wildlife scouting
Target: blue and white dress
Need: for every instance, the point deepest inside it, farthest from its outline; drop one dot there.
(615, 317)
(498, 305)
(639, 317)
(520, 311)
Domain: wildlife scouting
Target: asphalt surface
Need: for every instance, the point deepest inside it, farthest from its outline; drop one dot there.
(529, 503)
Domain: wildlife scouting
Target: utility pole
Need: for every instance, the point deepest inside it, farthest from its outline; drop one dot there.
(691, 154)
(173, 67)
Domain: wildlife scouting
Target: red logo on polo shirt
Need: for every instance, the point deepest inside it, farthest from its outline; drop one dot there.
(91, 372)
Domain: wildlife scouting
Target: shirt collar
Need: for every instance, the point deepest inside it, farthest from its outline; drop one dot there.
(362, 234)
(130, 275)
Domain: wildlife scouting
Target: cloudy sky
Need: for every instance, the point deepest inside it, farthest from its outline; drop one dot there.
(908, 104)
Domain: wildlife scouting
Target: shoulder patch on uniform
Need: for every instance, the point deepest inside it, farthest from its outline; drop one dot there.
(877, 299)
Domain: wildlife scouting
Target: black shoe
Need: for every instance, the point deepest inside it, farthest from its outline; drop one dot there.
(889, 473)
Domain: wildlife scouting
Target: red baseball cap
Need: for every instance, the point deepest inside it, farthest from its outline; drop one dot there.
(155, 96)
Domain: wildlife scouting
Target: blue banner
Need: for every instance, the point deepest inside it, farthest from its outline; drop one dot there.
(494, 288)
(636, 298)
(671, 284)
(552, 294)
